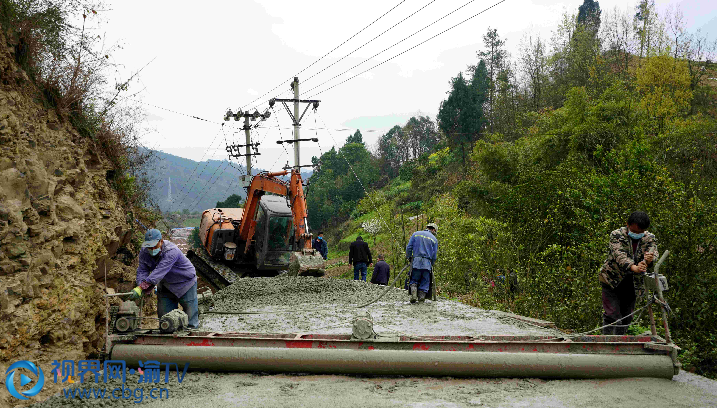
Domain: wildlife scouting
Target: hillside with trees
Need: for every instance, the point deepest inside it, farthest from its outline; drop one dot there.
(535, 158)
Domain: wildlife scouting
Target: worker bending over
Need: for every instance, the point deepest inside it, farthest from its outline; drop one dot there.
(622, 277)
(163, 264)
(423, 248)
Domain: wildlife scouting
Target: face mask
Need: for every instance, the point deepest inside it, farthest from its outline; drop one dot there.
(154, 252)
(635, 235)
(320, 238)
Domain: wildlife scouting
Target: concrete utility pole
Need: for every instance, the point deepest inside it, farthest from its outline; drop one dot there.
(233, 149)
(297, 125)
(296, 118)
(247, 133)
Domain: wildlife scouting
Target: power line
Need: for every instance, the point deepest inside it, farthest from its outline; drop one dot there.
(179, 113)
(197, 165)
(395, 240)
(207, 186)
(397, 55)
(371, 40)
(322, 57)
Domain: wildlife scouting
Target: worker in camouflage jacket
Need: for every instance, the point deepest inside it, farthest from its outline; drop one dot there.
(632, 249)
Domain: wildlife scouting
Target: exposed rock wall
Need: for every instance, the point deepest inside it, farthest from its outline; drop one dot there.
(61, 224)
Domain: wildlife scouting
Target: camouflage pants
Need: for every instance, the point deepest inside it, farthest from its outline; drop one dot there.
(617, 303)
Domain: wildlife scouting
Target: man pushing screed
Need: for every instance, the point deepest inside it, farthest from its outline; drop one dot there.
(163, 264)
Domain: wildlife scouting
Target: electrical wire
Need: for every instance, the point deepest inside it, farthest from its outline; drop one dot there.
(371, 40)
(221, 130)
(323, 56)
(397, 55)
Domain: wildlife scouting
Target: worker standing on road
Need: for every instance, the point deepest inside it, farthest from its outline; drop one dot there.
(381, 272)
(630, 252)
(320, 245)
(360, 258)
(423, 248)
(163, 264)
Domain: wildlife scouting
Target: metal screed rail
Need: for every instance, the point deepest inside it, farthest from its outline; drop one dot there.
(485, 356)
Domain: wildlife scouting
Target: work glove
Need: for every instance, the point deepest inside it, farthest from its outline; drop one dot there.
(136, 293)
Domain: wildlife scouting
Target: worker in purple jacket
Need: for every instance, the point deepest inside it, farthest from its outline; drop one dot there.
(163, 264)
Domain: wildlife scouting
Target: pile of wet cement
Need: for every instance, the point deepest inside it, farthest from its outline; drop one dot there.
(288, 304)
(290, 291)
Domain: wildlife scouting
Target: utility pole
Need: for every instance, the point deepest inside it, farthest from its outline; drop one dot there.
(297, 125)
(233, 149)
(296, 120)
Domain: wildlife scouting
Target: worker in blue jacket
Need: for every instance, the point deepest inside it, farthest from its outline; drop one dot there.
(423, 249)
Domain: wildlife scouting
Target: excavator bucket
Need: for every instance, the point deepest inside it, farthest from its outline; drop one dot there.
(307, 263)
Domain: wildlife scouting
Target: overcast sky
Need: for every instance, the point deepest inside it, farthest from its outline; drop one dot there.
(213, 55)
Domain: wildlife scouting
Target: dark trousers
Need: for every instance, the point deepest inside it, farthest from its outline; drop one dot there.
(362, 268)
(617, 303)
(422, 278)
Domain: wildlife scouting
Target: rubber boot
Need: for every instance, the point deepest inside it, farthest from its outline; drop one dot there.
(609, 330)
(413, 290)
(421, 296)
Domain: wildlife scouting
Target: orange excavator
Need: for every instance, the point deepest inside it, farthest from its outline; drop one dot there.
(269, 236)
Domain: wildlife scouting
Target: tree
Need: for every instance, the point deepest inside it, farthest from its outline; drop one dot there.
(589, 15)
(388, 152)
(495, 56)
(337, 186)
(355, 138)
(620, 41)
(649, 30)
(664, 84)
(421, 136)
(233, 201)
(534, 66)
(461, 116)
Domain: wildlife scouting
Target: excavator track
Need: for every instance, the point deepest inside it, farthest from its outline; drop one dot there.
(217, 275)
(220, 275)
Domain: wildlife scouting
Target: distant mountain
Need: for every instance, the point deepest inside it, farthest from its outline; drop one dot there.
(196, 186)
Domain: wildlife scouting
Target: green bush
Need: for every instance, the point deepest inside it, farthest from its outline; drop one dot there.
(194, 239)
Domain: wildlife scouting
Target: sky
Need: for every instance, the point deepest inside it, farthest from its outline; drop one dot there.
(199, 59)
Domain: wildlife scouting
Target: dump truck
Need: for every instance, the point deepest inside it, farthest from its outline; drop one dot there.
(269, 236)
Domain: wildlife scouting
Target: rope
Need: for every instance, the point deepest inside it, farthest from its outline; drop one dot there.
(596, 329)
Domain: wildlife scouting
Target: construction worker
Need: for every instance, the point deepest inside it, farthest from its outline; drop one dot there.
(381, 272)
(320, 245)
(630, 252)
(360, 258)
(163, 264)
(423, 249)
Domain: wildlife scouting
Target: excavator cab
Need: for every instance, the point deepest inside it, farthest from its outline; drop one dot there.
(274, 233)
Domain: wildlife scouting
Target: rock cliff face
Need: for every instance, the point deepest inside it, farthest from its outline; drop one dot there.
(61, 225)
